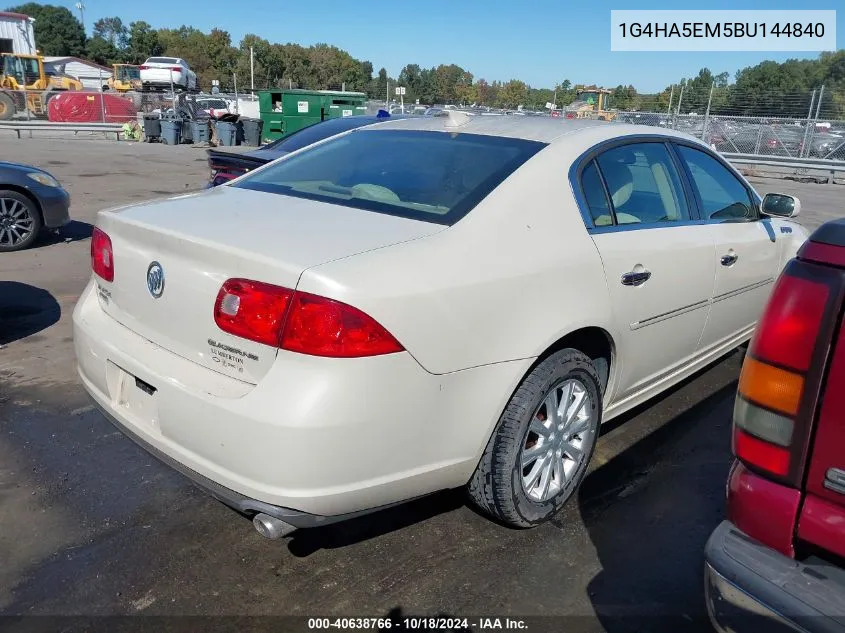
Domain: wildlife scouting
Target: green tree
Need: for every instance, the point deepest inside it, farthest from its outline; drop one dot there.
(512, 94)
(113, 31)
(143, 43)
(102, 51)
(57, 31)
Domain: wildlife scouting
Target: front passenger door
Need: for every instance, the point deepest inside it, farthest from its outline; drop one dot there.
(746, 258)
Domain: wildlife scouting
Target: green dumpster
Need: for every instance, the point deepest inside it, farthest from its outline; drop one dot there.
(283, 112)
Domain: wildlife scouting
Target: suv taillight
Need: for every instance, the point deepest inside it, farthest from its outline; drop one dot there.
(299, 321)
(102, 257)
(780, 378)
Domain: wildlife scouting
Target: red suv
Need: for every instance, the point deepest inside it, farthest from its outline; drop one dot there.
(778, 562)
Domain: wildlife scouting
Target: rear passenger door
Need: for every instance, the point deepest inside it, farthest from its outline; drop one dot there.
(746, 256)
(658, 258)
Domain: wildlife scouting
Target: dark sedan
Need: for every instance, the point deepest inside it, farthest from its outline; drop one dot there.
(30, 200)
(226, 166)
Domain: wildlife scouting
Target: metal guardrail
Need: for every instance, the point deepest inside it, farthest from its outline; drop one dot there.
(50, 126)
(802, 164)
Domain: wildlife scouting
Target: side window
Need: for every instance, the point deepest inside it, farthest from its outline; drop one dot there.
(643, 184)
(596, 198)
(723, 196)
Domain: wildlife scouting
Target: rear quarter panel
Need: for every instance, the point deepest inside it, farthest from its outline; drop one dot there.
(504, 283)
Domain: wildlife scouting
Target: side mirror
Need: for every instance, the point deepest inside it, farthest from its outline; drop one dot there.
(780, 205)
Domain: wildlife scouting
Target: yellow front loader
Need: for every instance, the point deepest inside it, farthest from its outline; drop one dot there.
(124, 77)
(25, 86)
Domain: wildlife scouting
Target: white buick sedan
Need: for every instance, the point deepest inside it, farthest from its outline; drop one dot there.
(423, 304)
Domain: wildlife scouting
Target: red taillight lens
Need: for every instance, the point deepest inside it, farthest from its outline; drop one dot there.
(143, 67)
(772, 459)
(787, 332)
(773, 381)
(299, 321)
(323, 327)
(252, 310)
(102, 257)
(176, 69)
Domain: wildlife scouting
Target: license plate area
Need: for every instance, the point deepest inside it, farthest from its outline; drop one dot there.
(136, 398)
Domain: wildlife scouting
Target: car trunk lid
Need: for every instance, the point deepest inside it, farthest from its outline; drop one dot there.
(200, 240)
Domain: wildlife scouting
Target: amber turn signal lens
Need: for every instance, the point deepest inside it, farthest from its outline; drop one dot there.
(770, 386)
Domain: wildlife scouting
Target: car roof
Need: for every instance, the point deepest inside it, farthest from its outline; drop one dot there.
(542, 129)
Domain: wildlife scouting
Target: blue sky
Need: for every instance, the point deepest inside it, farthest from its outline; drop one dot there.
(540, 43)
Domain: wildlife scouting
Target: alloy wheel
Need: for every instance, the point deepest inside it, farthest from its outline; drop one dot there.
(16, 222)
(557, 440)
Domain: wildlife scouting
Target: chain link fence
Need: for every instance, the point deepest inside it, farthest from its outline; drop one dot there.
(792, 125)
(762, 136)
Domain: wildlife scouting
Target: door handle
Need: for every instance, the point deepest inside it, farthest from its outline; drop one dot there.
(636, 278)
(729, 260)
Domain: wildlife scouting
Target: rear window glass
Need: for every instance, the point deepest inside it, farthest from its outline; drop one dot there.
(431, 176)
(161, 60)
(318, 132)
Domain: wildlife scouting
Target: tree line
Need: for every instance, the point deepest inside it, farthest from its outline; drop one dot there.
(767, 89)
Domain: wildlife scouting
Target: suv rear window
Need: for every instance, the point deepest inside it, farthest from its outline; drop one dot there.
(431, 176)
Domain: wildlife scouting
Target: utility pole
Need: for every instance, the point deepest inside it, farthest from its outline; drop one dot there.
(251, 69)
(704, 136)
(81, 7)
(805, 146)
(671, 97)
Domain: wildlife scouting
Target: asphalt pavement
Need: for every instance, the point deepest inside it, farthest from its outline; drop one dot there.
(91, 526)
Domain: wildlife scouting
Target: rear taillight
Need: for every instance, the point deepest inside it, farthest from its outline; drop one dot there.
(176, 69)
(252, 310)
(102, 257)
(323, 327)
(143, 67)
(299, 321)
(222, 177)
(771, 428)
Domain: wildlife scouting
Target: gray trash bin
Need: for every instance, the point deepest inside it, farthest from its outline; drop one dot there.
(199, 131)
(227, 133)
(171, 131)
(187, 131)
(152, 127)
(252, 131)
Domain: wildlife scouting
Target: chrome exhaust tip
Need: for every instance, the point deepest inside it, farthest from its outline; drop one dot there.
(271, 527)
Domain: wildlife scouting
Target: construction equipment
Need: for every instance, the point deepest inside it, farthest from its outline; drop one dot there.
(124, 77)
(25, 86)
(592, 103)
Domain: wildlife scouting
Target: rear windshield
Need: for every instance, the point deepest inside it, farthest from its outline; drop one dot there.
(161, 60)
(318, 132)
(431, 176)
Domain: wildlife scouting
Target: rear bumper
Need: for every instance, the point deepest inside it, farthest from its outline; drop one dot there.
(162, 77)
(314, 437)
(750, 588)
(227, 496)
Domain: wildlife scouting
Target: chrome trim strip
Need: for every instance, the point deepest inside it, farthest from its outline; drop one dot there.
(668, 315)
(834, 480)
(739, 291)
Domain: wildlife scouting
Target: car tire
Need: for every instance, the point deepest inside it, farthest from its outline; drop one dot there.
(7, 107)
(23, 209)
(506, 484)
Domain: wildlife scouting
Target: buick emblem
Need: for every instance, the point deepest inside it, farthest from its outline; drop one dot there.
(155, 279)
